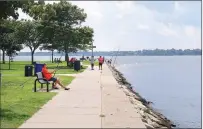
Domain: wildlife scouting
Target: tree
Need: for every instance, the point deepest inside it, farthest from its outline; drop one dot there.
(9, 43)
(9, 8)
(50, 47)
(80, 38)
(32, 35)
(42, 13)
(84, 38)
(61, 25)
(67, 17)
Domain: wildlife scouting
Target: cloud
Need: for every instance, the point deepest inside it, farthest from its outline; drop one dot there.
(167, 30)
(143, 27)
(190, 31)
(93, 9)
(133, 25)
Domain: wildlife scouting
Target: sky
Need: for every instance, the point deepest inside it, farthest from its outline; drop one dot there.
(137, 25)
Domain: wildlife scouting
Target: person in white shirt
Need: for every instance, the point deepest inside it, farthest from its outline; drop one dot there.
(92, 62)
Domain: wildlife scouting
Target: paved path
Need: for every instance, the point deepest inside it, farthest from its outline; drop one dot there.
(74, 75)
(94, 101)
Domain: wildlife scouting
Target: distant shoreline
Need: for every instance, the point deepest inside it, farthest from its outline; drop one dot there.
(155, 52)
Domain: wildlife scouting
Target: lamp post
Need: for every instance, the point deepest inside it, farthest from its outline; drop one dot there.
(93, 48)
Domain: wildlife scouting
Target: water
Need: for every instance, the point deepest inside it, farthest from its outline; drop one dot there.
(173, 83)
(36, 58)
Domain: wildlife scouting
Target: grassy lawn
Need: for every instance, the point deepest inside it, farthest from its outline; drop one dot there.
(20, 103)
(86, 62)
(18, 67)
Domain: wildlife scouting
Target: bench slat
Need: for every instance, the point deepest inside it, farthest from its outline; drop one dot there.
(41, 79)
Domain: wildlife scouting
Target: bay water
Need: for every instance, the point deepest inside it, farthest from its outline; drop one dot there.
(172, 83)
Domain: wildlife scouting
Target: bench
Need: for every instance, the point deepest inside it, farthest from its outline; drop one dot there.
(42, 81)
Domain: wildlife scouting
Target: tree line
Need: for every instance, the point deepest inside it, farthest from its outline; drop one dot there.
(161, 52)
(55, 26)
(155, 52)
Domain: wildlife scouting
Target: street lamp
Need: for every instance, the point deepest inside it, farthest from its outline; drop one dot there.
(93, 48)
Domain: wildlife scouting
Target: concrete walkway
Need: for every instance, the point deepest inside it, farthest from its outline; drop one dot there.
(94, 101)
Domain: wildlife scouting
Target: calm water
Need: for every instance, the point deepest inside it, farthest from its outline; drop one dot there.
(172, 83)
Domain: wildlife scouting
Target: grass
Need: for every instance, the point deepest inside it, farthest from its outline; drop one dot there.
(86, 62)
(18, 67)
(19, 102)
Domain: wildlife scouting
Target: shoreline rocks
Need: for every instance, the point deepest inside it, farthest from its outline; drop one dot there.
(150, 117)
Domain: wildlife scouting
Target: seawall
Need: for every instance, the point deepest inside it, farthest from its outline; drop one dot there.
(150, 117)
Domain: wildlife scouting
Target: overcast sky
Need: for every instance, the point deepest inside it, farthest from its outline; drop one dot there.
(136, 25)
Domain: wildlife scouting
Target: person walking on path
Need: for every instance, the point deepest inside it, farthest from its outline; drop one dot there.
(101, 61)
(92, 62)
(48, 76)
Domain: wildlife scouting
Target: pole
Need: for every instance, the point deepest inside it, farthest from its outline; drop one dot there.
(9, 57)
(92, 49)
(0, 68)
(50, 56)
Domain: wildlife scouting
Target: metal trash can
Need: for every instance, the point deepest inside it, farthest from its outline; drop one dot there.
(77, 65)
(38, 67)
(28, 70)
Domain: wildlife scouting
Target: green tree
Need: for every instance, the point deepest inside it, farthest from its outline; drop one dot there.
(50, 47)
(43, 13)
(32, 32)
(9, 43)
(61, 25)
(67, 17)
(9, 8)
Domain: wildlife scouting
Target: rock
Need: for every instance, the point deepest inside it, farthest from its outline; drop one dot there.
(149, 121)
(137, 102)
(154, 124)
(144, 120)
(153, 114)
(148, 126)
(153, 118)
(141, 106)
(142, 114)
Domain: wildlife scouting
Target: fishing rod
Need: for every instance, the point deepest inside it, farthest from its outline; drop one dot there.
(110, 59)
(57, 65)
(112, 54)
(115, 57)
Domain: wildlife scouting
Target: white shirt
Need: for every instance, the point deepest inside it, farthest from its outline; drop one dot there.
(92, 60)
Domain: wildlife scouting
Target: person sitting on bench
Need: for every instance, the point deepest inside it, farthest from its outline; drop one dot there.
(48, 76)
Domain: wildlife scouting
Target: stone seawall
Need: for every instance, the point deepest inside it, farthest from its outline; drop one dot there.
(150, 117)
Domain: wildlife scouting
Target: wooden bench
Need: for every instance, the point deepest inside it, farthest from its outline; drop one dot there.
(42, 81)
